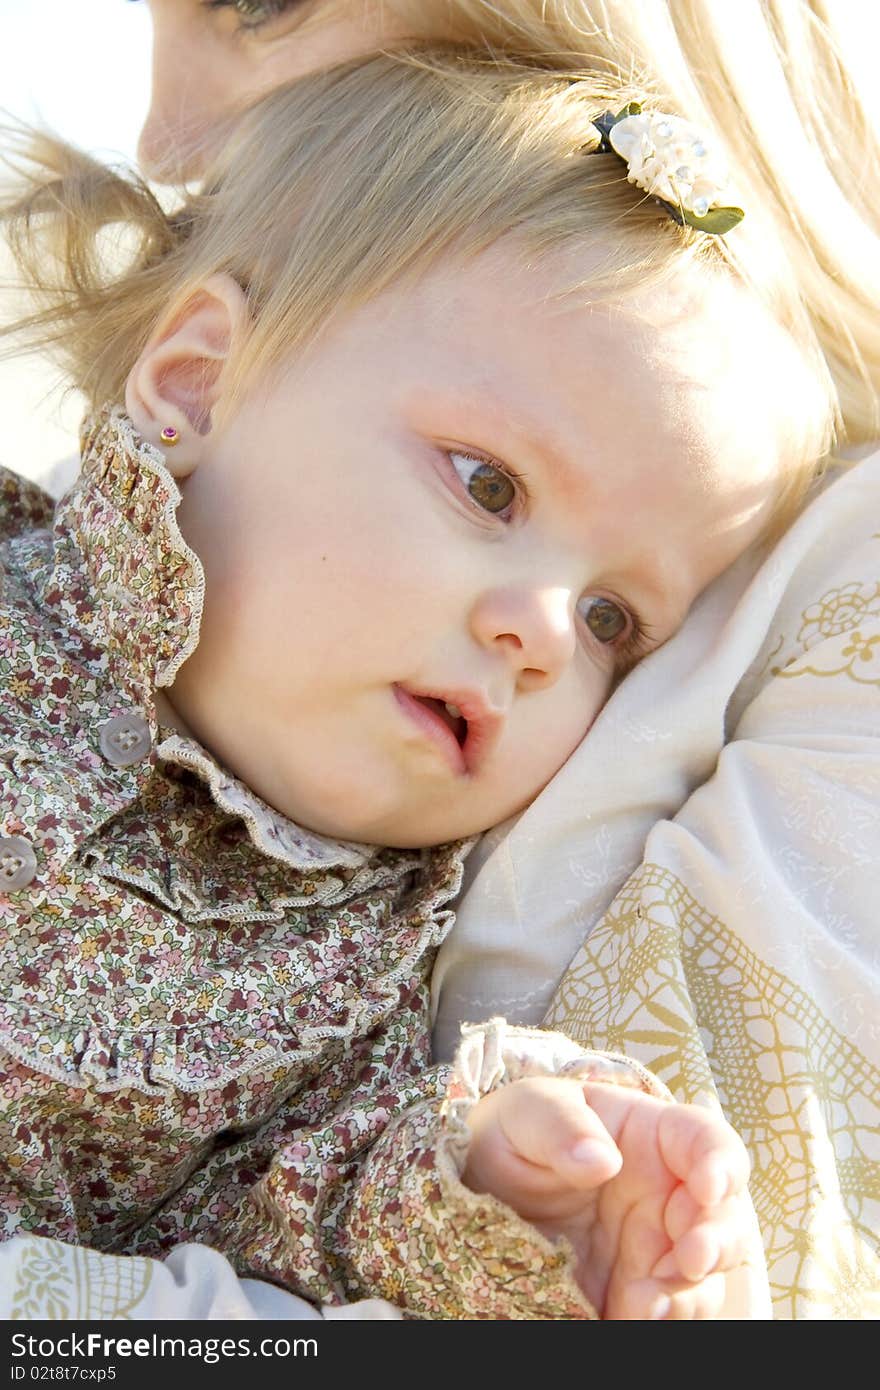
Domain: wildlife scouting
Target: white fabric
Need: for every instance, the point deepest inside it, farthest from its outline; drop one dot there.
(536, 887)
(45, 1279)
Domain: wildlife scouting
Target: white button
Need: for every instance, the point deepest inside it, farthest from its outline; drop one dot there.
(18, 863)
(125, 739)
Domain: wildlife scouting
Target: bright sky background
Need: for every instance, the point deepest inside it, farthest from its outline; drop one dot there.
(81, 67)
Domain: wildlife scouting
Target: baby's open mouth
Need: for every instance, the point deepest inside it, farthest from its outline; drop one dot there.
(450, 715)
(472, 720)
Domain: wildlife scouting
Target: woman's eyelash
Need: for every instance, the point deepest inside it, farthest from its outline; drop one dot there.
(253, 14)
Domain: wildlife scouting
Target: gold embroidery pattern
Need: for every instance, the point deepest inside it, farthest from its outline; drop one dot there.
(839, 611)
(63, 1283)
(665, 981)
(846, 622)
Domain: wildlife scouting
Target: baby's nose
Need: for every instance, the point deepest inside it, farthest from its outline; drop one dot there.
(535, 628)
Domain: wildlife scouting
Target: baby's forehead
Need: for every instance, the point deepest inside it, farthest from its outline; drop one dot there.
(715, 353)
(690, 362)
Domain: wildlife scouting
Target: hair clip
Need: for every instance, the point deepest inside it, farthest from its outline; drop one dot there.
(668, 158)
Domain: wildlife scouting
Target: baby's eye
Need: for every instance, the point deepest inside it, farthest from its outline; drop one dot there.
(606, 620)
(488, 486)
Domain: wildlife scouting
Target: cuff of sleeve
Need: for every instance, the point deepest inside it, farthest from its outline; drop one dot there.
(497, 1053)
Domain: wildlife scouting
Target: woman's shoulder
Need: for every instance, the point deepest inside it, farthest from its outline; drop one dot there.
(817, 595)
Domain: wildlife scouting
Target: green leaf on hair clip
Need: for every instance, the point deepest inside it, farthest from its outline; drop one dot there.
(608, 119)
(716, 221)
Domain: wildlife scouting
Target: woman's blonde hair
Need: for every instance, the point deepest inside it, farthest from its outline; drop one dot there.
(330, 189)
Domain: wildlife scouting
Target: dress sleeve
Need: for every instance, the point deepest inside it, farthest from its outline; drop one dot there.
(368, 1203)
(418, 1236)
(24, 506)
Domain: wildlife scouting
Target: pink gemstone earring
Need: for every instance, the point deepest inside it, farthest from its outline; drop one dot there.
(170, 436)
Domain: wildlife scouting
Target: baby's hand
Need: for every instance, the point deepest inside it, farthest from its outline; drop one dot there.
(652, 1195)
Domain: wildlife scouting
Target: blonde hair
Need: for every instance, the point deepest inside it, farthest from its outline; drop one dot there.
(333, 187)
(328, 190)
(786, 87)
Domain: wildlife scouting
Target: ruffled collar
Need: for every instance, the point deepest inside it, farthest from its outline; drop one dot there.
(130, 582)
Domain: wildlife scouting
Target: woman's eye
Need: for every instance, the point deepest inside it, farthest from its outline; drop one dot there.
(489, 487)
(606, 620)
(252, 14)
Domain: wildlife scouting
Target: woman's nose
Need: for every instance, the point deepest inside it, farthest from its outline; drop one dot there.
(184, 104)
(534, 627)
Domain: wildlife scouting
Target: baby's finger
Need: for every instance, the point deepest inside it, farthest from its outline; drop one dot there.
(739, 1293)
(698, 1301)
(706, 1240)
(653, 1299)
(709, 1157)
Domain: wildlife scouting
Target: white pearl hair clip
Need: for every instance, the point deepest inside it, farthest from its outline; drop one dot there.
(669, 159)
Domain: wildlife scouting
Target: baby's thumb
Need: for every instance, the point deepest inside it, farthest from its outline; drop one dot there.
(551, 1124)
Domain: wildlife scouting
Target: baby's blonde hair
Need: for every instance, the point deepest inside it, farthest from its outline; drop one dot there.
(334, 187)
(791, 87)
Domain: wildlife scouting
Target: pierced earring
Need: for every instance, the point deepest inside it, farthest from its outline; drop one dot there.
(170, 436)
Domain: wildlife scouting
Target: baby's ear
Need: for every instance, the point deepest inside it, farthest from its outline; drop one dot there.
(179, 377)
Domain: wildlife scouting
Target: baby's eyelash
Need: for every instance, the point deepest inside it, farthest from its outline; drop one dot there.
(625, 650)
(489, 487)
(636, 645)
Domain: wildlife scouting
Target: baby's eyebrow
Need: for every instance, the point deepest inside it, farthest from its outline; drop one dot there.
(558, 469)
(527, 437)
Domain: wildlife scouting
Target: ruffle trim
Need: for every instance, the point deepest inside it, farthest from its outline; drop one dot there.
(273, 834)
(157, 1060)
(129, 474)
(497, 1053)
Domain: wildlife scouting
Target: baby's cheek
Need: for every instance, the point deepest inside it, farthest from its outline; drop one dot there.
(586, 689)
(556, 729)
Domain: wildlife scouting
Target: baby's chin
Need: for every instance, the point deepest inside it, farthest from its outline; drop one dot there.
(398, 826)
(392, 832)
(393, 816)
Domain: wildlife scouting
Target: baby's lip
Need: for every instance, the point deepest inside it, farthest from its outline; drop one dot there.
(484, 721)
